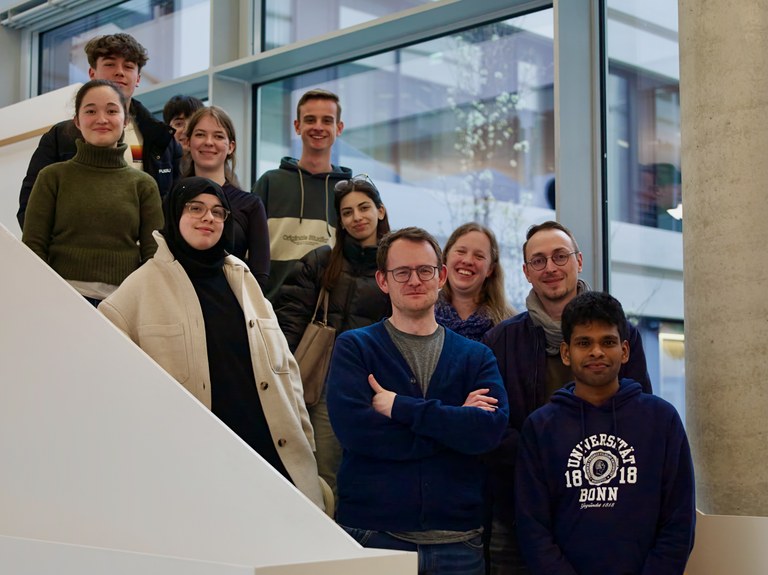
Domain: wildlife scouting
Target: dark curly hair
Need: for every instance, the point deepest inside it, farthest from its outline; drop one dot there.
(110, 45)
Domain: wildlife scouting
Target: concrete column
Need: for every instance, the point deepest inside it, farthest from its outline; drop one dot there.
(724, 108)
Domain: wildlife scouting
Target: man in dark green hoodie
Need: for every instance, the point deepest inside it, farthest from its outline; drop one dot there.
(298, 196)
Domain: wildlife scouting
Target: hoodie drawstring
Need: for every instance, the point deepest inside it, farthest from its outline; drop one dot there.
(301, 186)
(301, 213)
(327, 226)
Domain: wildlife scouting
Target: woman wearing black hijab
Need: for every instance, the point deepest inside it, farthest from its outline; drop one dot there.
(200, 314)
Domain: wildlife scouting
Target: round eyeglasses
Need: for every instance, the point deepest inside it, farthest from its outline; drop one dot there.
(198, 209)
(403, 274)
(538, 263)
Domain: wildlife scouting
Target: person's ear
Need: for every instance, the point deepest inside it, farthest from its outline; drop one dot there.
(381, 281)
(565, 353)
(525, 273)
(443, 276)
(624, 351)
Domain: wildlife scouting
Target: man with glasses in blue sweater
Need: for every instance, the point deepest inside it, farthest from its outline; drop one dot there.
(414, 405)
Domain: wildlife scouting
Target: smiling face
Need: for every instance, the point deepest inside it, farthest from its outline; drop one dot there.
(360, 217)
(101, 117)
(553, 283)
(117, 69)
(414, 298)
(469, 264)
(204, 232)
(210, 146)
(317, 124)
(595, 354)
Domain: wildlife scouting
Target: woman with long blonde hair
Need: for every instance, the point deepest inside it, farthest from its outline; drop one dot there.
(473, 298)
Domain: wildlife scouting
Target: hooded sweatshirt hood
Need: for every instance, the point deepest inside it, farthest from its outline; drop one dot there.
(329, 180)
(602, 415)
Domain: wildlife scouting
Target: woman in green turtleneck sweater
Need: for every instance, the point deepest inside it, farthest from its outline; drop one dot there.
(91, 218)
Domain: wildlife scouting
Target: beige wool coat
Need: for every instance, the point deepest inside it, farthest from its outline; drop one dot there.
(157, 307)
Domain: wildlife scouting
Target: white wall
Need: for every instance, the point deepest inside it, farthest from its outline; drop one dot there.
(101, 447)
(727, 545)
(26, 120)
(32, 557)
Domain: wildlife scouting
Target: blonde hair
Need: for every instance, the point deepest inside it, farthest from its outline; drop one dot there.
(493, 297)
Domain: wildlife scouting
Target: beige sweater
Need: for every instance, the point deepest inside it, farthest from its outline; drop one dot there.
(157, 307)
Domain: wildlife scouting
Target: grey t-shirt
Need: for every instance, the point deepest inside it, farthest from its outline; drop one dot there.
(421, 352)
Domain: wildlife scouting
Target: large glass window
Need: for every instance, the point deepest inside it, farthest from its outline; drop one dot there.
(289, 21)
(645, 195)
(451, 130)
(175, 33)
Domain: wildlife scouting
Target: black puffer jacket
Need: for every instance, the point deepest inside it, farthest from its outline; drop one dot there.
(355, 301)
(160, 157)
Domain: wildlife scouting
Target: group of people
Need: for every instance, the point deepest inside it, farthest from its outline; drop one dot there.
(449, 425)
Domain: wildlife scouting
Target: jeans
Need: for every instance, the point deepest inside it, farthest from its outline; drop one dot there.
(504, 551)
(464, 558)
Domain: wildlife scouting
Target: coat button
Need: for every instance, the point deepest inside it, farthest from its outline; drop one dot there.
(264, 385)
(281, 442)
(251, 323)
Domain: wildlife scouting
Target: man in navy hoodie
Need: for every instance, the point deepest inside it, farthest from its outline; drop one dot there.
(604, 479)
(413, 405)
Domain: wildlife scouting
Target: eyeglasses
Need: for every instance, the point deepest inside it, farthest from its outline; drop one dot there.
(198, 209)
(538, 263)
(341, 185)
(403, 274)
(178, 123)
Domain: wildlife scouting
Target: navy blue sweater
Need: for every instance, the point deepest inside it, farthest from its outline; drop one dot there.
(606, 489)
(420, 469)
